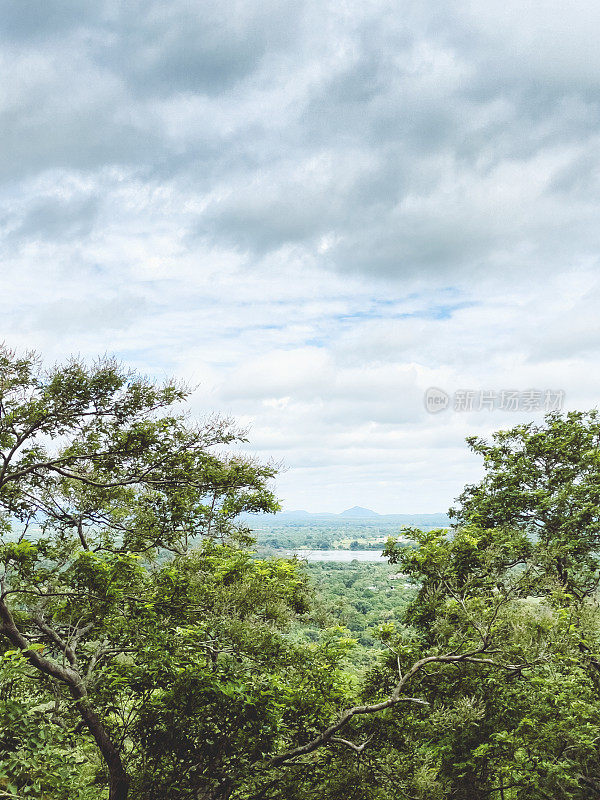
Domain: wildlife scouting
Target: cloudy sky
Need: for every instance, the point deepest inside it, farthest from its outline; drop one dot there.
(312, 211)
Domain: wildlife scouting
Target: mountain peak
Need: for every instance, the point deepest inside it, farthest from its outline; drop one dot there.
(358, 511)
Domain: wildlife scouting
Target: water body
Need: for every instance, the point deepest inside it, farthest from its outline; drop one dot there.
(338, 555)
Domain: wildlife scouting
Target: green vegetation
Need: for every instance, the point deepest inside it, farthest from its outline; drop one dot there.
(147, 652)
(361, 597)
(275, 533)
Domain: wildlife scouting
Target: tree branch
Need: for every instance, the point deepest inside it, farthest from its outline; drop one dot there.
(395, 698)
(54, 637)
(358, 748)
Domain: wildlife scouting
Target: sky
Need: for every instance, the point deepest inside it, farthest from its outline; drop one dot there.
(312, 213)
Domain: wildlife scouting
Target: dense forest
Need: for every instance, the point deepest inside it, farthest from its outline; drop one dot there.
(148, 652)
(358, 596)
(271, 532)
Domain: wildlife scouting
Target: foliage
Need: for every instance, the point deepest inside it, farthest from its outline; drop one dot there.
(544, 480)
(97, 473)
(219, 684)
(274, 533)
(38, 759)
(148, 653)
(519, 573)
(360, 596)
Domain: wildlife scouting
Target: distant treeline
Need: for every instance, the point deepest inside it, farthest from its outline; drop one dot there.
(328, 534)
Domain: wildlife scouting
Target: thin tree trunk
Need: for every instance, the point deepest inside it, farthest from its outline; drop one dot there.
(118, 778)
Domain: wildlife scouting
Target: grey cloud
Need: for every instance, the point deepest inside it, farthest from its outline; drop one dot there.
(580, 178)
(33, 19)
(449, 144)
(465, 109)
(164, 48)
(259, 223)
(65, 115)
(390, 159)
(55, 219)
(158, 47)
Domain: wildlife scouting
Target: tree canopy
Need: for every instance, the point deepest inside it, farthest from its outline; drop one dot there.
(146, 652)
(100, 466)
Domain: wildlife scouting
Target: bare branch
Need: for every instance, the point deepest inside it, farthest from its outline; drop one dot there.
(395, 698)
(358, 748)
(54, 637)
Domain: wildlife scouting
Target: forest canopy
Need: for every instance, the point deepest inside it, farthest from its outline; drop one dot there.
(147, 653)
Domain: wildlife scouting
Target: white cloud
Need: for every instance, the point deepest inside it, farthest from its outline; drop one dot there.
(311, 212)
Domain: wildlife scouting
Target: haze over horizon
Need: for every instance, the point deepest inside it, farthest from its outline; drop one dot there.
(312, 212)
(357, 512)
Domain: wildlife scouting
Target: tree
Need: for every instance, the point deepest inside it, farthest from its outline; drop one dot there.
(544, 480)
(504, 627)
(511, 730)
(217, 685)
(132, 611)
(98, 473)
(523, 554)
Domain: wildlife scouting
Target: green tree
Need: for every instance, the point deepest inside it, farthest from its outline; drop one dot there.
(524, 556)
(224, 687)
(99, 472)
(133, 617)
(490, 682)
(509, 726)
(544, 480)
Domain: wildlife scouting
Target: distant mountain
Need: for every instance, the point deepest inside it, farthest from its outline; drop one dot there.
(358, 511)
